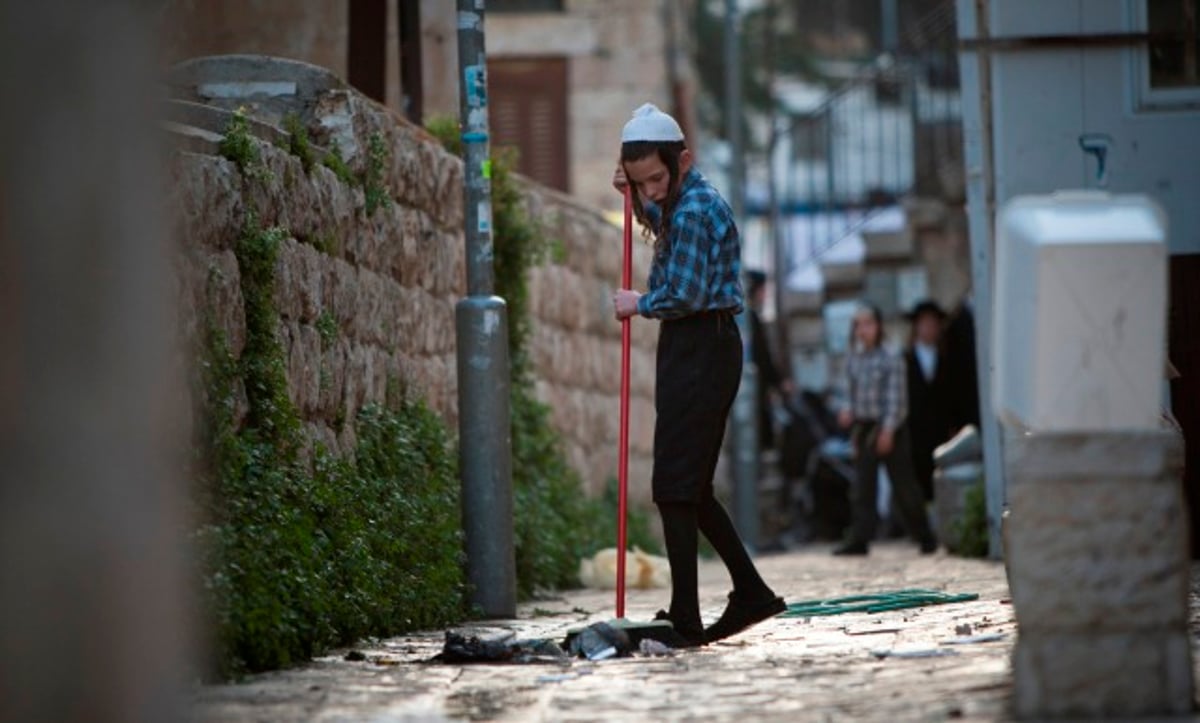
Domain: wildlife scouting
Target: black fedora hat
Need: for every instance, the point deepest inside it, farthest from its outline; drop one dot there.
(927, 306)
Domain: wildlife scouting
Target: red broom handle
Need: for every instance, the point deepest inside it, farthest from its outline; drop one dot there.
(623, 461)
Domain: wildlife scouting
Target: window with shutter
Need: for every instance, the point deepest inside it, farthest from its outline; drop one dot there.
(528, 112)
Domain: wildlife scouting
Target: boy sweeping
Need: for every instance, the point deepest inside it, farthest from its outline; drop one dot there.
(695, 292)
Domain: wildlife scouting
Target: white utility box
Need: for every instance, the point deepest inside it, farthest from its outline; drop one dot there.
(1080, 312)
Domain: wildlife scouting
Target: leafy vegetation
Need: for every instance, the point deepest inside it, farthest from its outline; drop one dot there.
(302, 552)
(333, 161)
(238, 145)
(373, 180)
(299, 144)
(374, 183)
(972, 528)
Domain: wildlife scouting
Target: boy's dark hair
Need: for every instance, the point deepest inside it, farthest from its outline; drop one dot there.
(669, 153)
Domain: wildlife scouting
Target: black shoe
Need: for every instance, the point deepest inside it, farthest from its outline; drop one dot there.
(682, 637)
(740, 614)
(928, 547)
(852, 548)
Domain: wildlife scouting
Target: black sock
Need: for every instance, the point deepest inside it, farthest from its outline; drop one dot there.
(714, 522)
(679, 531)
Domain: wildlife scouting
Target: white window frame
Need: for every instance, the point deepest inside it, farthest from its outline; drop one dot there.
(1147, 98)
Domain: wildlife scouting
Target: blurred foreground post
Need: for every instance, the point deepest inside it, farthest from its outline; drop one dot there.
(92, 570)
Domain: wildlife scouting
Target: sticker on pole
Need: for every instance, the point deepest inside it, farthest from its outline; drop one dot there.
(475, 79)
(470, 21)
(484, 211)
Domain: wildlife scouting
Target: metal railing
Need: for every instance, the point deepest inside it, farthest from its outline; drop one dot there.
(890, 131)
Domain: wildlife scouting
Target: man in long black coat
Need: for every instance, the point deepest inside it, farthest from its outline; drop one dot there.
(962, 380)
(930, 403)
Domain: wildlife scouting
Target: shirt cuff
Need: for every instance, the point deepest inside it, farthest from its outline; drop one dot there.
(643, 308)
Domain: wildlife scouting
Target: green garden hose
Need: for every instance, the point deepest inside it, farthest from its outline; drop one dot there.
(876, 603)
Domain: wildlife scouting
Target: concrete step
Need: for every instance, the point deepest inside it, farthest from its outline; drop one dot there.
(216, 120)
(803, 302)
(843, 280)
(889, 246)
(183, 137)
(888, 236)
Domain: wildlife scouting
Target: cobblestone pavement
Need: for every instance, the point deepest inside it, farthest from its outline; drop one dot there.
(817, 669)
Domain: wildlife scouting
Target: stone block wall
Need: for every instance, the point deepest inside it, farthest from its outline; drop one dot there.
(1096, 544)
(576, 343)
(368, 300)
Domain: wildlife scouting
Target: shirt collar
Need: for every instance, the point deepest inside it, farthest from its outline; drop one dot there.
(691, 178)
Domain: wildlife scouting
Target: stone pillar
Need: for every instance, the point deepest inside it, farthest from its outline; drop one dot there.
(1097, 552)
(1096, 539)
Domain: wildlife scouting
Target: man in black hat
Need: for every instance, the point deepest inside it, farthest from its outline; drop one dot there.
(928, 390)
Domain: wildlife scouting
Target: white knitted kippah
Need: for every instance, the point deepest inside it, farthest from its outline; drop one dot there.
(651, 124)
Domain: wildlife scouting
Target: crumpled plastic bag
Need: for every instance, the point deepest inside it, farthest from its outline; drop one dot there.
(599, 641)
(463, 648)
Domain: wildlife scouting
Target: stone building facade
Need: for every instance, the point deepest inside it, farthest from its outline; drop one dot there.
(617, 55)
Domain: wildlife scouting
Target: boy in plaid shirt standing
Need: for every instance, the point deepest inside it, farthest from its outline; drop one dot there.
(695, 292)
(875, 411)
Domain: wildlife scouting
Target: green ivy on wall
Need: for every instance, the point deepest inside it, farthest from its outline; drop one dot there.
(303, 548)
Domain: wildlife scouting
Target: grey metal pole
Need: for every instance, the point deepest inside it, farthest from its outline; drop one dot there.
(974, 22)
(745, 412)
(484, 445)
(779, 257)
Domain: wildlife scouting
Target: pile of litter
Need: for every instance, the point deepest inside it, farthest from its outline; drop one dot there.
(460, 648)
(876, 603)
(598, 641)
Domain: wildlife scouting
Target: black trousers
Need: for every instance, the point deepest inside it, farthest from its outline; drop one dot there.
(906, 491)
(699, 368)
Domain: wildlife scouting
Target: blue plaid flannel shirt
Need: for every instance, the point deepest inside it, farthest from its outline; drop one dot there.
(699, 268)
